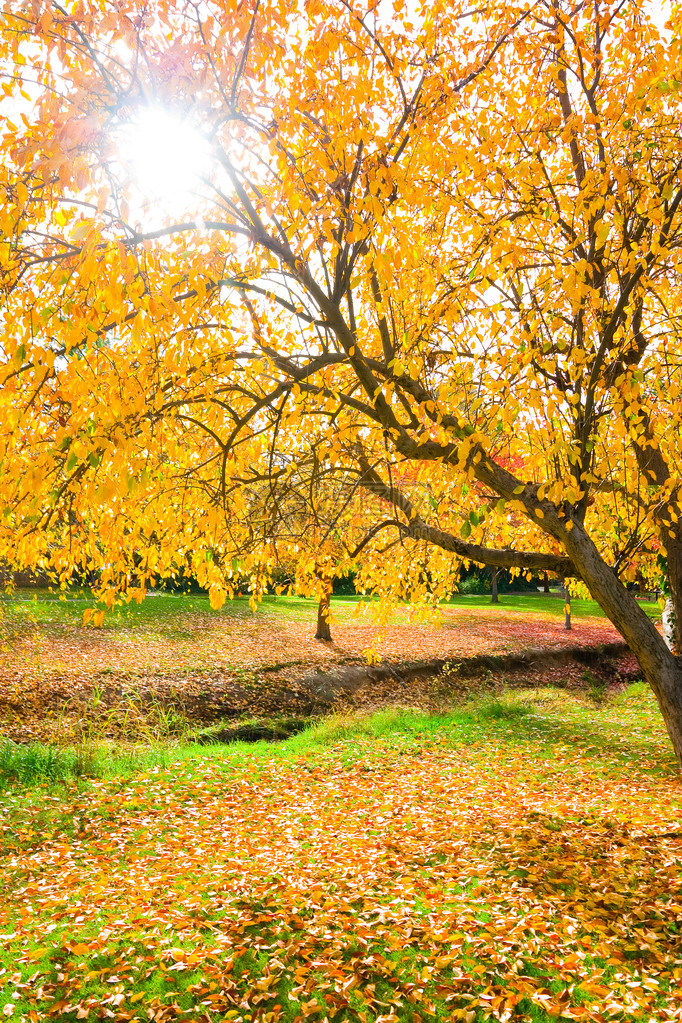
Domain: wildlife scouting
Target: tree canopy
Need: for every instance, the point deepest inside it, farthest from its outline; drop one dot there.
(431, 255)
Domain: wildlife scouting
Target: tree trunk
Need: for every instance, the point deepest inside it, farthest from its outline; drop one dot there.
(495, 598)
(567, 608)
(668, 692)
(545, 583)
(661, 667)
(324, 631)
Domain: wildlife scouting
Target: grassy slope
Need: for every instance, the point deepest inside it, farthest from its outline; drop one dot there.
(503, 859)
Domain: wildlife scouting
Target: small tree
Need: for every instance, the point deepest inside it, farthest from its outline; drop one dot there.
(493, 579)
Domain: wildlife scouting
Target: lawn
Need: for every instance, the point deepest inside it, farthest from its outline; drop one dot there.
(515, 858)
(159, 608)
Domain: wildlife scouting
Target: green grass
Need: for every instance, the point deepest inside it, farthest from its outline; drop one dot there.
(34, 764)
(540, 602)
(161, 610)
(45, 607)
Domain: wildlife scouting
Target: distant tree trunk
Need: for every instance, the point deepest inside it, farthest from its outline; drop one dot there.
(324, 631)
(545, 583)
(567, 608)
(495, 599)
(670, 629)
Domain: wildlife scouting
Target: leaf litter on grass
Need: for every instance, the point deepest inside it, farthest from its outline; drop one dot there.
(177, 652)
(462, 871)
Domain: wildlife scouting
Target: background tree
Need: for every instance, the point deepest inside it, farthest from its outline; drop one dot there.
(447, 238)
(493, 581)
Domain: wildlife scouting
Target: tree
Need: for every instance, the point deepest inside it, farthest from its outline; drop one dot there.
(444, 242)
(493, 579)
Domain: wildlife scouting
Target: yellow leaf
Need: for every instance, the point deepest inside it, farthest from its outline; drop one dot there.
(81, 230)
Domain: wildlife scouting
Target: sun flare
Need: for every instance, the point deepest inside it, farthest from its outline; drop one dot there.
(165, 155)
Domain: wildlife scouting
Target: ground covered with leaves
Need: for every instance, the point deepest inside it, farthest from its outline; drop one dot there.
(518, 858)
(173, 663)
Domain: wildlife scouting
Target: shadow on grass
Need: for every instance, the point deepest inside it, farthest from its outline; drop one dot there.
(509, 721)
(586, 739)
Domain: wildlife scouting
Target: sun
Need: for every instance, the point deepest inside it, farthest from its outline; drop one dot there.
(165, 156)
